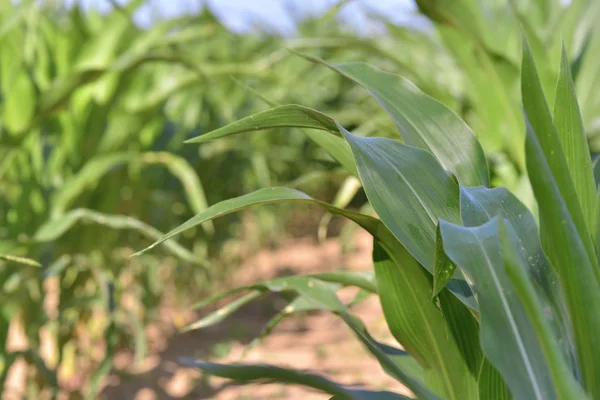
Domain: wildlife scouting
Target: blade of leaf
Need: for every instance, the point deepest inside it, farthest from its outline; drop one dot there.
(57, 227)
(267, 196)
(290, 116)
(464, 329)
(404, 288)
(422, 121)
(481, 205)
(491, 384)
(516, 270)
(568, 254)
(540, 119)
(572, 135)
(268, 373)
(507, 338)
(408, 200)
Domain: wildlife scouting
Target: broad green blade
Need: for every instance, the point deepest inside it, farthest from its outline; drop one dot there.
(267, 373)
(571, 132)
(270, 196)
(57, 227)
(507, 337)
(517, 271)
(481, 205)
(540, 119)
(290, 116)
(491, 385)
(464, 328)
(404, 289)
(568, 254)
(408, 189)
(423, 121)
(565, 237)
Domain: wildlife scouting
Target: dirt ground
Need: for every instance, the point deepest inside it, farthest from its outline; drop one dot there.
(317, 342)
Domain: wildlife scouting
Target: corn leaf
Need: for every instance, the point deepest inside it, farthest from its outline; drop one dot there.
(565, 237)
(507, 337)
(423, 121)
(491, 384)
(408, 200)
(572, 135)
(53, 229)
(290, 116)
(268, 196)
(516, 270)
(267, 373)
(540, 119)
(404, 289)
(481, 205)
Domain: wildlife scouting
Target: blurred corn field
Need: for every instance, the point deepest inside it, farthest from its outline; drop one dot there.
(95, 110)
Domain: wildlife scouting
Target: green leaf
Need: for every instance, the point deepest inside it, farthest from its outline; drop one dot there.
(491, 384)
(507, 337)
(57, 227)
(540, 119)
(267, 373)
(571, 132)
(464, 328)
(268, 196)
(408, 189)
(222, 313)
(516, 270)
(290, 116)
(564, 235)
(423, 121)
(481, 205)
(404, 288)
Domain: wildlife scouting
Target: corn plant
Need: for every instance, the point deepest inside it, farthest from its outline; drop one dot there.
(486, 299)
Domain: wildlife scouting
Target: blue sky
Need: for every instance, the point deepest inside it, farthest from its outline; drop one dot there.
(239, 14)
